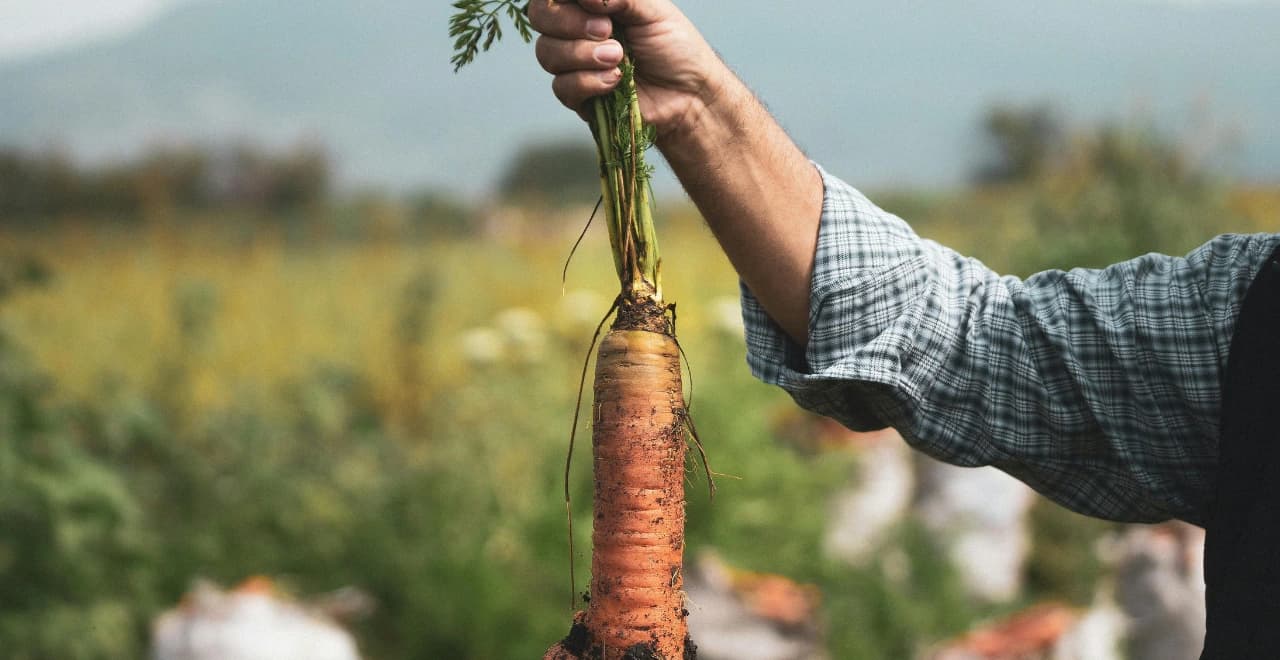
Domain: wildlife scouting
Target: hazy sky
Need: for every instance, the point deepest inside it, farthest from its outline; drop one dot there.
(30, 26)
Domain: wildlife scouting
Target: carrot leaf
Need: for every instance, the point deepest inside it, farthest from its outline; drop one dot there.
(477, 26)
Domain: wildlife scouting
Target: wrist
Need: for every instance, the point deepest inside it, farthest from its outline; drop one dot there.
(707, 112)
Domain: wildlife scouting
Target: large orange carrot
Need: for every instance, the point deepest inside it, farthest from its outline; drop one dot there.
(636, 609)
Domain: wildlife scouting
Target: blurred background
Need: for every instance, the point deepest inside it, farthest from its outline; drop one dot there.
(281, 307)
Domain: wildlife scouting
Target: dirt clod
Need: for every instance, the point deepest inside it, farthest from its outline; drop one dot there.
(690, 649)
(641, 652)
(578, 639)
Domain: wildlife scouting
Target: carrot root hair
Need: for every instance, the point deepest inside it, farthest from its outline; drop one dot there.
(573, 435)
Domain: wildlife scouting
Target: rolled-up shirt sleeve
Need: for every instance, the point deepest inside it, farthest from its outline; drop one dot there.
(1099, 388)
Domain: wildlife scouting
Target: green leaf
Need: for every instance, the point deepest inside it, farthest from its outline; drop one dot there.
(476, 26)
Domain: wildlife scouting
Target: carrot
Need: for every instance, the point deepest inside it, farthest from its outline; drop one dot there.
(640, 419)
(636, 607)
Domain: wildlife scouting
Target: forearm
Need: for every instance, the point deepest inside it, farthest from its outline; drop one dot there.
(758, 192)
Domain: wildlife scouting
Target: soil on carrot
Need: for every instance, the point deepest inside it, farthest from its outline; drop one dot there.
(643, 314)
(579, 645)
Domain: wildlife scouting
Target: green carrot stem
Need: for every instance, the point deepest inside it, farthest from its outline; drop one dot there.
(646, 234)
(621, 139)
(601, 130)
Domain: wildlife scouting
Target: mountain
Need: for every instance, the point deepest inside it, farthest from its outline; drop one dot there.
(880, 92)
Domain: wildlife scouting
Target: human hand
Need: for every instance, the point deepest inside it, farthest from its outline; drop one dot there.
(678, 76)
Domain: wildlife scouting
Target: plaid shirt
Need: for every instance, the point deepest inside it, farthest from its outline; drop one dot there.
(1099, 388)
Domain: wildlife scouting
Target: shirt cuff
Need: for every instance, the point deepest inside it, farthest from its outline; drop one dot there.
(864, 267)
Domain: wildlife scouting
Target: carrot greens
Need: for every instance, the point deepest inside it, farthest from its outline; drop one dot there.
(477, 25)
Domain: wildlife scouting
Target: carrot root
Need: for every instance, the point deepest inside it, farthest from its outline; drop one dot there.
(636, 609)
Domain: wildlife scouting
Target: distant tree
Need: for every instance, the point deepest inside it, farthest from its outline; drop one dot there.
(1021, 142)
(439, 212)
(555, 174)
(37, 185)
(248, 177)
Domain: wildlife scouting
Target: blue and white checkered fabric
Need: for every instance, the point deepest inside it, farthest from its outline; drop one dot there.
(1099, 388)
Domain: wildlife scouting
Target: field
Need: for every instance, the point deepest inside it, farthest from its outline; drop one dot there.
(204, 404)
(192, 396)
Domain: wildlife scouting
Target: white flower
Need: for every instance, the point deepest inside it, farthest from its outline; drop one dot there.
(483, 345)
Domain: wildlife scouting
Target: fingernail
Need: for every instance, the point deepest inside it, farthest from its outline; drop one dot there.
(599, 27)
(609, 53)
(610, 77)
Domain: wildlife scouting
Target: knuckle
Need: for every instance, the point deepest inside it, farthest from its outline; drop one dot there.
(542, 51)
(561, 86)
(535, 11)
(569, 21)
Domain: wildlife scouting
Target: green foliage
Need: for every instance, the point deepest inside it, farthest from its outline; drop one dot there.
(898, 606)
(431, 480)
(21, 271)
(436, 212)
(1021, 141)
(72, 531)
(453, 521)
(39, 185)
(552, 173)
(1124, 191)
(1064, 564)
(477, 24)
(1088, 197)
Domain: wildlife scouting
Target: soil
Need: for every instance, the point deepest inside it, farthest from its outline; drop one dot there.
(579, 645)
(643, 314)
